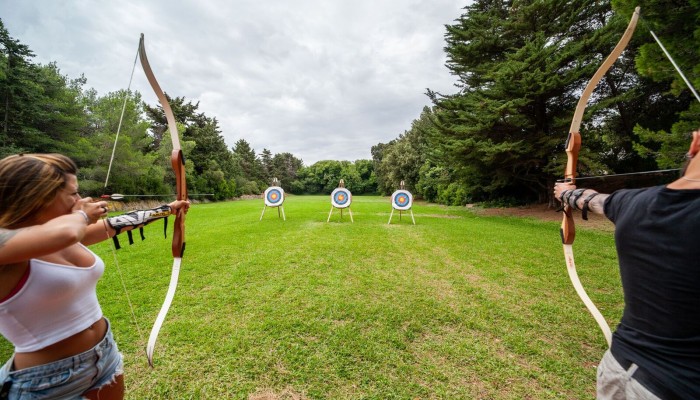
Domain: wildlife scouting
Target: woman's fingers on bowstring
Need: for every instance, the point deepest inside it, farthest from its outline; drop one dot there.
(94, 209)
(180, 204)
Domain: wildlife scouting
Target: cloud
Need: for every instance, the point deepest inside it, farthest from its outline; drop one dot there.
(319, 79)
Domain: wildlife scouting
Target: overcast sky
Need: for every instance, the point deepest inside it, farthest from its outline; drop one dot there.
(321, 79)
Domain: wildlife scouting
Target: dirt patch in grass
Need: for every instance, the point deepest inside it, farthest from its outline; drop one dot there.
(544, 213)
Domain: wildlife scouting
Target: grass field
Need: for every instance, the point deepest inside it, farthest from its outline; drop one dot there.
(459, 306)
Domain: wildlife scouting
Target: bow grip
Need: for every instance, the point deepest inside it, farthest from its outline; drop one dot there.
(177, 161)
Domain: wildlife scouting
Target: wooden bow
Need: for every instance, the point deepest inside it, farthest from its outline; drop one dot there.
(573, 145)
(177, 160)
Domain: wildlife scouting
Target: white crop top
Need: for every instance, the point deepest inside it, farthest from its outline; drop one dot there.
(56, 302)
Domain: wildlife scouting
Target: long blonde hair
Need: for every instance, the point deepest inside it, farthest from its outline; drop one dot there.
(28, 183)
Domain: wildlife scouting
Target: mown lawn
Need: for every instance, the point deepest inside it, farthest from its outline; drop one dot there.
(459, 306)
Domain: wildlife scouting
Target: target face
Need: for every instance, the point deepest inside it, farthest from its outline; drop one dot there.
(341, 198)
(402, 200)
(274, 196)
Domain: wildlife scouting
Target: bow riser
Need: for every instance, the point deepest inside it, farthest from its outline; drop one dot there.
(573, 145)
(177, 161)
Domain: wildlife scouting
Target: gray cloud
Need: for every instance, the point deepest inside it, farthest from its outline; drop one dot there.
(319, 79)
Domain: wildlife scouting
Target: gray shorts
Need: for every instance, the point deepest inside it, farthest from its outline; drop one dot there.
(617, 383)
(68, 378)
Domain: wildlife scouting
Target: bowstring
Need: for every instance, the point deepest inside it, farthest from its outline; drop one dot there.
(673, 62)
(104, 221)
(121, 119)
(123, 282)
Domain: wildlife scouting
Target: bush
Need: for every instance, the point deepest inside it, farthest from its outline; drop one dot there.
(453, 195)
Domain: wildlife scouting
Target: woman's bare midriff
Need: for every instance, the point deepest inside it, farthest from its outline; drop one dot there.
(74, 345)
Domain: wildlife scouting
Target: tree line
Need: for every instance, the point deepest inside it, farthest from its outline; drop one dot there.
(519, 69)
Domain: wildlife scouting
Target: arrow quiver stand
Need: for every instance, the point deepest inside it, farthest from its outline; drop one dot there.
(274, 197)
(401, 200)
(340, 199)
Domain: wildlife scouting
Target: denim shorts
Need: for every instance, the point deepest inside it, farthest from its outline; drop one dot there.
(68, 378)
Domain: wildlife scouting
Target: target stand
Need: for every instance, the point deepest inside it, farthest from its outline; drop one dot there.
(401, 200)
(340, 199)
(274, 197)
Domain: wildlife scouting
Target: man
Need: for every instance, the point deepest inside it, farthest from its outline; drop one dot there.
(655, 351)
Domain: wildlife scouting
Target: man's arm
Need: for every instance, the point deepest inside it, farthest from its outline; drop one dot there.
(580, 199)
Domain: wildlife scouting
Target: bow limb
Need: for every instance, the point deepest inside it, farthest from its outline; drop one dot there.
(177, 161)
(573, 145)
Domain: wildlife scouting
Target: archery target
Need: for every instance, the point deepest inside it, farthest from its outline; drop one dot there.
(341, 198)
(402, 200)
(274, 196)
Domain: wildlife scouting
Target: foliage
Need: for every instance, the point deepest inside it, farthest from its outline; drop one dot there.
(368, 179)
(285, 167)
(324, 176)
(247, 162)
(666, 136)
(408, 158)
(454, 194)
(41, 111)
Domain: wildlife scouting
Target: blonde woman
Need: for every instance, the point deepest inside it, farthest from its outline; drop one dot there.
(49, 311)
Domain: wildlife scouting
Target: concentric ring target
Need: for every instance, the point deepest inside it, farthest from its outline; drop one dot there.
(402, 200)
(341, 198)
(274, 196)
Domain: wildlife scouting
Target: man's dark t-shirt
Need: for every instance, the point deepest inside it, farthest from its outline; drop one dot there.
(657, 234)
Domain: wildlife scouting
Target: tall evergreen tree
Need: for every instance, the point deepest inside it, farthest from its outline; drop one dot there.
(185, 113)
(250, 180)
(521, 66)
(15, 65)
(267, 167)
(285, 167)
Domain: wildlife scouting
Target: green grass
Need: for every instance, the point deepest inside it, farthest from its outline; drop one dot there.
(459, 306)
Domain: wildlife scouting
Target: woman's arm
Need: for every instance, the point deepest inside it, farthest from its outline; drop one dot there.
(103, 230)
(39, 240)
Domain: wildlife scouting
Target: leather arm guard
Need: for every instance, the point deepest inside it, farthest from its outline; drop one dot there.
(139, 218)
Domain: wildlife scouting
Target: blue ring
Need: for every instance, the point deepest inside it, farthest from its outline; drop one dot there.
(401, 200)
(339, 201)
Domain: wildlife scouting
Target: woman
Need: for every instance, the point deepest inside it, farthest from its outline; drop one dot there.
(48, 304)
